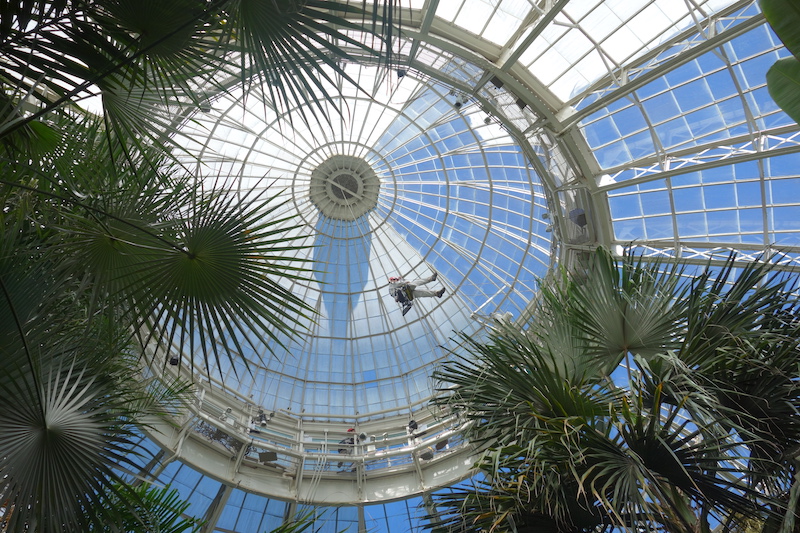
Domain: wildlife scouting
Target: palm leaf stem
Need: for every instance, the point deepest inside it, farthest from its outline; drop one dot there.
(35, 28)
(25, 345)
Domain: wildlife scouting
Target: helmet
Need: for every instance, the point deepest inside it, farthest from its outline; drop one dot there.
(394, 278)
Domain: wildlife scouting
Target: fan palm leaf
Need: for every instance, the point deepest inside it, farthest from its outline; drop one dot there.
(301, 521)
(742, 350)
(223, 279)
(535, 385)
(630, 306)
(699, 428)
(286, 44)
(731, 305)
(69, 396)
(201, 270)
(495, 506)
(156, 62)
(634, 461)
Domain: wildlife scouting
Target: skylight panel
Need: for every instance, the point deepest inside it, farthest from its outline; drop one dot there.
(601, 22)
(719, 204)
(449, 9)
(474, 19)
(650, 24)
(625, 9)
(414, 139)
(621, 45)
(500, 26)
(550, 65)
(617, 32)
(589, 68)
(577, 9)
(543, 43)
(505, 21)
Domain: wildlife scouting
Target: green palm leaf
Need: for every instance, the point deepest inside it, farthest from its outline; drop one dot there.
(223, 279)
(671, 406)
(630, 306)
(69, 393)
(151, 509)
(535, 389)
(200, 271)
(213, 273)
(157, 62)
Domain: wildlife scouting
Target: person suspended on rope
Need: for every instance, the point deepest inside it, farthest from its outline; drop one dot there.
(348, 443)
(404, 292)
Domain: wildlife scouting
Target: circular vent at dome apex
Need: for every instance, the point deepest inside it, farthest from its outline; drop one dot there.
(344, 187)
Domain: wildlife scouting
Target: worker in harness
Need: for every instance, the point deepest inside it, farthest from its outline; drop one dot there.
(404, 292)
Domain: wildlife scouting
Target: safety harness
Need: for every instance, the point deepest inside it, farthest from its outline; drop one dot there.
(404, 296)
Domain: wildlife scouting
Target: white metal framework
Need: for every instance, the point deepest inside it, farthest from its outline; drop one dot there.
(514, 134)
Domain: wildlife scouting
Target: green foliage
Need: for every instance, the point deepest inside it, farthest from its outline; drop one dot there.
(71, 392)
(784, 17)
(153, 61)
(109, 246)
(106, 251)
(783, 83)
(672, 406)
(783, 78)
(149, 509)
(111, 252)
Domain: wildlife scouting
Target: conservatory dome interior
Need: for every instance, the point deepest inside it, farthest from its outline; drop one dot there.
(509, 137)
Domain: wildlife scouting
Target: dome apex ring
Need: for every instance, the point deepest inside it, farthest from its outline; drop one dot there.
(344, 187)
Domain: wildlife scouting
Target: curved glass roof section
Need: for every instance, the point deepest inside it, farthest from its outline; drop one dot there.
(702, 154)
(649, 118)
(402, 183)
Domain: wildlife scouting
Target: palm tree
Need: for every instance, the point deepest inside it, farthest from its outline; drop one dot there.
(72, 393)
(150, 60)
(111, 253)
(101, 264)
(636, 397)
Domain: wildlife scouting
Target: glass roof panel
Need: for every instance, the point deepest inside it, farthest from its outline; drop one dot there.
(474, 19)
(505, 21)
(698, 103)
(244, 511)
(602, 38)
(453, 194)
(395, 517)
(194, 488)
(682, 140)
(751, 202)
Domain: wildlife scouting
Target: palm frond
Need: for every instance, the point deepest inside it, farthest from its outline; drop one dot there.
(222, 280)
(699, 426)
(510, 384)
(154, 62)
(627, 306)
(190, 267)
(149, 508)
(68, 398)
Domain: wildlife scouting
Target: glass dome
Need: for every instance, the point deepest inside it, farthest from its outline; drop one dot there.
(402, 183)
(512, 136)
